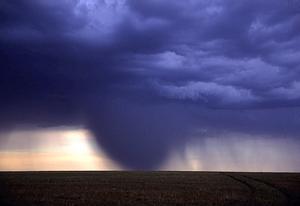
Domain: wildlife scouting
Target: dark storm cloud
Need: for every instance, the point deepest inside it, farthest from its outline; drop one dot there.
(146, 75)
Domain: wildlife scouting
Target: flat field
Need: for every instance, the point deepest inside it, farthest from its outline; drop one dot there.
(149, 188)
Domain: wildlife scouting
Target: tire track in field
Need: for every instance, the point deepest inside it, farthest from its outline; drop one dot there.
(249, 186)
(274, 187)
(249, 182)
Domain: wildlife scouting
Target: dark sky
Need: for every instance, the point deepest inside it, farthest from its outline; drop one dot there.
(147, 76)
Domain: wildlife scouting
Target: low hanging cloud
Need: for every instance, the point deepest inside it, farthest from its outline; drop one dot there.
(210, 92)
(291, 93)
(144, 76)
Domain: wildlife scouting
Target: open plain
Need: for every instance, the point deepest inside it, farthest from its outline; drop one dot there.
(149, 188)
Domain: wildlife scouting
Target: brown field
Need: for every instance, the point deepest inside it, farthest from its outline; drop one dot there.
(149, 188)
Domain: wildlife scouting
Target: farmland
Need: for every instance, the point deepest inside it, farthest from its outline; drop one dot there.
(149, 188)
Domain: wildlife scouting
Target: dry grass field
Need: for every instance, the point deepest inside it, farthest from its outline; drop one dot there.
(149, 188)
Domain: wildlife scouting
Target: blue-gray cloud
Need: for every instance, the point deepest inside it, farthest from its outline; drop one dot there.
(145, 75)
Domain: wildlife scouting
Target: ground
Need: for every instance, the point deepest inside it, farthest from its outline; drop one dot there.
(149, 188)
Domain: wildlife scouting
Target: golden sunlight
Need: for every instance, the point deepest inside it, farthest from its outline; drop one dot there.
(52, 149)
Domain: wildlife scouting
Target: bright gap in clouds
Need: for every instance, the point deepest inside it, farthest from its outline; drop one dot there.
(52, 149)
(74, 149)
(238, 152)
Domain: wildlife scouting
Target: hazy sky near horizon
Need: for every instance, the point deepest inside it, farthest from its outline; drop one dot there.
(154, 84)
